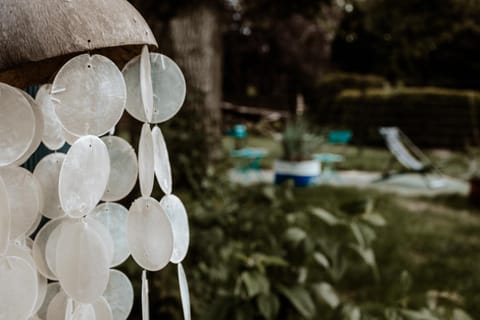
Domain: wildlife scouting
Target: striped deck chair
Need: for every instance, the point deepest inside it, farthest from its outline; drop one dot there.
(410, 156)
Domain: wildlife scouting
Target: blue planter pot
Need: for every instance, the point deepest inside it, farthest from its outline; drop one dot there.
(302, 173)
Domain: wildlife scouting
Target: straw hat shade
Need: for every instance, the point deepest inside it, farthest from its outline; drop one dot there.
(38, 37)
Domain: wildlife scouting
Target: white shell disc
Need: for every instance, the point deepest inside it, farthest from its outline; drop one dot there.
(146, 87)
(184, 292)
(89, 94)
(18, 288)
(145, 297)
(5, 218)
(82, 262)
(123, 168)
(169, 88)
(53, 137)
(57, 308)
(149, 233)
(39, 249)
(37, 136)
(146, 173)
(84, 176)
(24, 199)
(177, 214)
(47, 173)
(163, 171)
(102, 310)
(52, 290)
(114, 217)
(119, 294)
(17, 125)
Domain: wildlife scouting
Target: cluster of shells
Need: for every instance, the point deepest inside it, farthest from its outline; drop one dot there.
(61, 230)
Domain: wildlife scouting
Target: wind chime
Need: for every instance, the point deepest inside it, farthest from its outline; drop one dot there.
(66, 271)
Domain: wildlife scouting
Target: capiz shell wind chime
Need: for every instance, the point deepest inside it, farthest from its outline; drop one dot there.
(69, 201)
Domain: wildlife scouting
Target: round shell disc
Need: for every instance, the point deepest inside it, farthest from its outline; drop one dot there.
(40, 247)
(57, 308)
(169, 88)
(47, 173)
(52, 290)
(5, 218)
(149, 233)
(114, 217)
(177, 215)
(146, 173)
(123, 168)
(89, 94)
(146, 87)
(84, 176)
(37, 136)
(82, 262)
(18, 288)
(17, 125)
(53, 137)
(184, 292)
(102, 310)
(23, 197)
(119, 294)
(163, 171)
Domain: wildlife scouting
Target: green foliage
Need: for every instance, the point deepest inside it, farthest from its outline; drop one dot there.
(298, 142)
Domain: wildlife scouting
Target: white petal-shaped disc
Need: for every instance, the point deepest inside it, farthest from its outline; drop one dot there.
(18, 288)
(149, 233)
(177, 214)
(163, 171)
(47, 173)
(82, 262)
(102, 310)
(39, 249)
(53, 137)
(146, 173)
(52, 290)
(84, 176)
(89, 94)
(114, 217)
(123, 168)
(37, 136)
(57, 308)
(146, 87)
(23, 197)
(119, 294)
(168, 83)
(5, 218)
(184, 292)
(17, 125)
(145, 297)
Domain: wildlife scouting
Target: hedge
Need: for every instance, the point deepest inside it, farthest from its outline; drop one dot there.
(431, 117)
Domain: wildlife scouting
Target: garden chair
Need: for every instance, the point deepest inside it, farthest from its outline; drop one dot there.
(410, 157)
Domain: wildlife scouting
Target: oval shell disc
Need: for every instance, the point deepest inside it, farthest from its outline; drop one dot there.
(39, 250)
(146, 173)
(18, 288)
(177, 214)
(89, 94)
(24, 199)
(163, 171)
(47, 173)
(119, 294)
(52, 129)
(82, 262)
(57, 308)
(123, 168)
(169, 88)
(146, 87)
(17, 125)
(184, 292)
(114, 217)
(149, 233)
(84, 176)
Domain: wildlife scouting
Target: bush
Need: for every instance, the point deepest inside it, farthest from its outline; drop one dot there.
(321, 96)
(431, 117)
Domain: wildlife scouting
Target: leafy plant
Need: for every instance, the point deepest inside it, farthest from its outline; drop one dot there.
(297, 142)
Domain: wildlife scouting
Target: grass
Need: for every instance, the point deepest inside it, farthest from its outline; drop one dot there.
(437, 243)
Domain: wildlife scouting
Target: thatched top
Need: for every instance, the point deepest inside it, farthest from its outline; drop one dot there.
(37, 37)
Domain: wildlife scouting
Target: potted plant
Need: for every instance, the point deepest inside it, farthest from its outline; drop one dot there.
(297, 163)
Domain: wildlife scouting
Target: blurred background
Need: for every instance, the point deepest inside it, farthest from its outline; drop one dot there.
(385, 225)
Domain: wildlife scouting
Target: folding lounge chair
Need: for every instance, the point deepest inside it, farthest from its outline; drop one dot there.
(409, 155)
